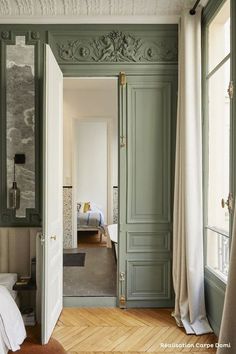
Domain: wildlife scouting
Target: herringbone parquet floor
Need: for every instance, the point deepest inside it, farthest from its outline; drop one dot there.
(133, 331)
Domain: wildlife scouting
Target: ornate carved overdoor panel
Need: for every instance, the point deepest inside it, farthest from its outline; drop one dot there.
(114, 47)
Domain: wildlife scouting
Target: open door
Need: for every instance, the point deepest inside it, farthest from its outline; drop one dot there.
(52, 196)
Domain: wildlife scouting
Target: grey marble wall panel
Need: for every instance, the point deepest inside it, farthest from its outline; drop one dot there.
(20, 100)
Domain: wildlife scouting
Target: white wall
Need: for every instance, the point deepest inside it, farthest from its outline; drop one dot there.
(91, 100)
(91, 164)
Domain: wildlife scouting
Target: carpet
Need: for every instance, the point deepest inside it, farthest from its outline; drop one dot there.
(73, 259)
(96, 278)
(31, 346)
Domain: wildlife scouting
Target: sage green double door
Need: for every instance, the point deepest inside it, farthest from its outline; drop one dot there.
(147, 142)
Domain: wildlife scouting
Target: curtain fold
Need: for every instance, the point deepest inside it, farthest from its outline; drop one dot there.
(227, 337)
(188, 267)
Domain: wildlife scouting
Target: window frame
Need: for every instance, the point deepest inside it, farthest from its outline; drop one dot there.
(208, 17)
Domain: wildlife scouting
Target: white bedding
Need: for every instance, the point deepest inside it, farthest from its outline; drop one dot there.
(12, 329)
(3, 348)
(113, 232)
(8, 280)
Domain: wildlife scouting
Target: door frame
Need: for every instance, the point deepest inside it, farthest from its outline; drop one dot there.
(88, 301)
(92, 71)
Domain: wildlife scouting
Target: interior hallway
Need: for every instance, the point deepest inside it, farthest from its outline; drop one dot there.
(111, 330)
(98, 275)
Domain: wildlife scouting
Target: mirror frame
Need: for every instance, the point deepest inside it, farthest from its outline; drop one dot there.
(33, 215)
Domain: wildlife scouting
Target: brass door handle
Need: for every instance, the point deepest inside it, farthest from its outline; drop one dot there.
(53, 238)
(228, 202)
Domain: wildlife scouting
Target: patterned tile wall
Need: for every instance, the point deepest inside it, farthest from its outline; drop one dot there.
(115, 205)
(67, 217)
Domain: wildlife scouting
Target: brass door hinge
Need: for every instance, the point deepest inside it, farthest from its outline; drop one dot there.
(231, 89)
(42, 238)
(122, 141)
(122, 302)
(122, 79)
(122, 299)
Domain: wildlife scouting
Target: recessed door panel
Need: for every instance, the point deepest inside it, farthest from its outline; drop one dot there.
(148, 152)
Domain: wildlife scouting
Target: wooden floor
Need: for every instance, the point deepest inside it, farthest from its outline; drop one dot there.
(91, 239)
(108, 331)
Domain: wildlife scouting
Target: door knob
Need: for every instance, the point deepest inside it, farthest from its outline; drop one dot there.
(53, 238)
(228, 202)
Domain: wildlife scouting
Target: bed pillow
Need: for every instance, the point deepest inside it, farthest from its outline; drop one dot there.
(87, 207)
(83, 207)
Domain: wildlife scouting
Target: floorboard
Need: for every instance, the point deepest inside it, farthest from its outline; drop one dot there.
(136, 331)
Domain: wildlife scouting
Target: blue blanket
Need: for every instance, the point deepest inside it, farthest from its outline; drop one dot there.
(90, 219)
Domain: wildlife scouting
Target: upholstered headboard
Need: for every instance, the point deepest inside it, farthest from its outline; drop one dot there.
(17, 248)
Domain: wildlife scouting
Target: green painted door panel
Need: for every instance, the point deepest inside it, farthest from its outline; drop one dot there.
(147, 114)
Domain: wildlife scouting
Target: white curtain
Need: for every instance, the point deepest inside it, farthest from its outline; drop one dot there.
(228, 324)
(188, 268)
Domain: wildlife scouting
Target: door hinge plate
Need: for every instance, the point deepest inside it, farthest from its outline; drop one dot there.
(122, 79)
(122, 141)
(122, 299)
(42, 238)
(122, 276)
(231, 89)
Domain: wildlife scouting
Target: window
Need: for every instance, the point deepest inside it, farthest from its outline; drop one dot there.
(217, 144)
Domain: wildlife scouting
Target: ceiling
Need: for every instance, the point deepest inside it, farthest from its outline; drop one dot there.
(92, 11)
(87, 84)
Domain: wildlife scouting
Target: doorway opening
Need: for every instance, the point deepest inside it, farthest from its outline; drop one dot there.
(90, 188)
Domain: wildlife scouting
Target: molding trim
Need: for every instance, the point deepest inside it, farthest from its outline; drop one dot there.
(173, 19)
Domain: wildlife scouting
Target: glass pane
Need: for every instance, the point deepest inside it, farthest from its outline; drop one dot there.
(218, 253)
(219, 143)
(219, 36)
(20, 121)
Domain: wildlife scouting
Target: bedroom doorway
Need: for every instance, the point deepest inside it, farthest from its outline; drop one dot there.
(90, 190)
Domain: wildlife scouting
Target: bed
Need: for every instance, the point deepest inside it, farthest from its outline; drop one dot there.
(90, 218)
(12, 329)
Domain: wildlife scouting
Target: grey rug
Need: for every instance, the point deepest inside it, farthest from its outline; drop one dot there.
(73, 259)
(96, 278)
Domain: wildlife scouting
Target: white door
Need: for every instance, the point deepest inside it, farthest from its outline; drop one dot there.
(52, 205)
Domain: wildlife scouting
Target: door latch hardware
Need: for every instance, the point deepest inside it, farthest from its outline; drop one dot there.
(54, 237)
(228, 202)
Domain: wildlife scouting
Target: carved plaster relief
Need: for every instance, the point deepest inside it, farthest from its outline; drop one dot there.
(117, 46)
